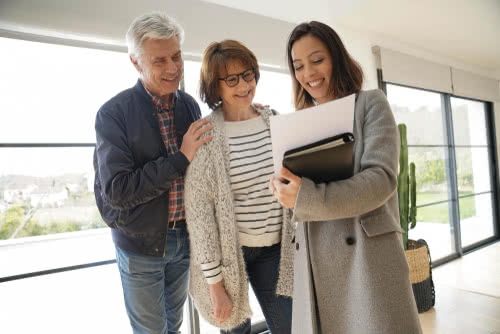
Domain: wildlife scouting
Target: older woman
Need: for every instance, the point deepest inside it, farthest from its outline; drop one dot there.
(238, 231)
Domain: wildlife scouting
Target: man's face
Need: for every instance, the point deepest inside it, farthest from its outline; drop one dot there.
(161, 65)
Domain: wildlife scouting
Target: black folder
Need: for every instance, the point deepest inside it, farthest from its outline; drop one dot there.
(327, 160)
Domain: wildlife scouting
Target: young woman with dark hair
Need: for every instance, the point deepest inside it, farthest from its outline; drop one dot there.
(351, 274)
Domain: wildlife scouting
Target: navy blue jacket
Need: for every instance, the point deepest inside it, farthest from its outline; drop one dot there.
(133, 169)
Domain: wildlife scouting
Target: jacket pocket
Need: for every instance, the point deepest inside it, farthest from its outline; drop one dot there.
(380, 223)
(123, 217)
(133, 223)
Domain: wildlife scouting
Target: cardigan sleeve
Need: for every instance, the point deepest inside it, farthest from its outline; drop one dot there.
(373, 185)
(199, 203)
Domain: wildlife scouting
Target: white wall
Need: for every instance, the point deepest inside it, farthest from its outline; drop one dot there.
(360, 44)
(204, 22)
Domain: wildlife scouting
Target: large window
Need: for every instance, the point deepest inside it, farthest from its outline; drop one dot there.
(448, 141)
(474, 170)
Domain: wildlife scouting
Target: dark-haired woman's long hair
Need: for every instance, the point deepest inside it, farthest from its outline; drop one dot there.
(347, 75)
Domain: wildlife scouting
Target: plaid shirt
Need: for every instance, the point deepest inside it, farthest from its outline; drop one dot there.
(166, 122)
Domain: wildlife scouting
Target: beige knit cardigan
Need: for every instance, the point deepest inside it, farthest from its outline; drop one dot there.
(213, 232)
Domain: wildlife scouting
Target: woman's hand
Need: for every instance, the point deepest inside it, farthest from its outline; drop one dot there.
(261, 106)
(285, 188)
(220, 301)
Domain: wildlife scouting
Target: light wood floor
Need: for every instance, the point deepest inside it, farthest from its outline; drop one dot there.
(467, 295)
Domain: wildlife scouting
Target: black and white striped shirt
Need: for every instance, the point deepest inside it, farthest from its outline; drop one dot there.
(258, 214)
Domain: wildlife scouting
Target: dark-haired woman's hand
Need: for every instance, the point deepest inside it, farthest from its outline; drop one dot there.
(286, 187)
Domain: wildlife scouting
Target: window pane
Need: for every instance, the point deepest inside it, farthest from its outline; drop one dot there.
(476, 218)
(48, 216)
(422, 113)
(473, 170)
(47, 190)
(275, 89)
(430, 173)
(469, 122)
(57, 303)
(433, 226)
(192, 83)
(51, 93)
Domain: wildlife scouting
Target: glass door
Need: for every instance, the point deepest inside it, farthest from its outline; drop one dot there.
(474, 170)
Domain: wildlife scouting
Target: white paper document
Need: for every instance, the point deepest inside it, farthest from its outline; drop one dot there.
(310, 125)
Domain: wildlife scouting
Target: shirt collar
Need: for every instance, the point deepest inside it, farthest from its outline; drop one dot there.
(159, 103)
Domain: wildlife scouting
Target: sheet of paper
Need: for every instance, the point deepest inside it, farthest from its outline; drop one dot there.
(309, 125)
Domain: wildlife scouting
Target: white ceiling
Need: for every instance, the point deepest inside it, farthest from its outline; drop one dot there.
(452, 31)
(107, 21)
(467, 31)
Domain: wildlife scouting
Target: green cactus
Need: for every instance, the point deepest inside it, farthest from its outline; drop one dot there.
(407, 188)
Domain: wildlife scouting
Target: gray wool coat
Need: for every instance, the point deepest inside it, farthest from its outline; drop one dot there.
(213, 232)
(348, 240)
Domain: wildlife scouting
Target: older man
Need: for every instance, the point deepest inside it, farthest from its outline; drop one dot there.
(146, 137)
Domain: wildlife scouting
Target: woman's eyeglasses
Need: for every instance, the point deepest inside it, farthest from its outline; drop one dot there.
(233, 79)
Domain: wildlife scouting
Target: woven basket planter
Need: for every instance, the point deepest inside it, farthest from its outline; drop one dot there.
(419, 261)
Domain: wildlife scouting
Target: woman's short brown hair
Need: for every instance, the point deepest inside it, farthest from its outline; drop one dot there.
(214, 66)
(347, 75)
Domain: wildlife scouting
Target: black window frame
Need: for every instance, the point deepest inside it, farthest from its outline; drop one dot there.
(451, 166)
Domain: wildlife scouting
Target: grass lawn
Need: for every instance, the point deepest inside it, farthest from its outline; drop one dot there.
(439, 213)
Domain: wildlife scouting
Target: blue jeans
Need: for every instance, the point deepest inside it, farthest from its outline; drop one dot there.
(262, 265)
(155, 288)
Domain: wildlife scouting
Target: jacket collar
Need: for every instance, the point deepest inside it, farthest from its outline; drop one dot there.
(139, 88)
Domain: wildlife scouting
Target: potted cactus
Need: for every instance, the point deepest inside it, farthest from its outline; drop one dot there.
(417, 252)
(407, 188)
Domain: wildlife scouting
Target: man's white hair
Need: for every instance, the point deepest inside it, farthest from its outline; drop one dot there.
(155, 25)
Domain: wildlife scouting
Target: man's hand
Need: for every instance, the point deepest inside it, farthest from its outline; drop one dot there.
(220, 301)
(192, 141)
(285, 188)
